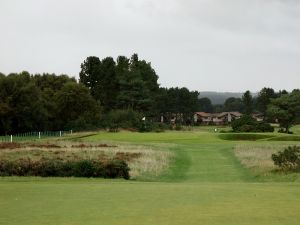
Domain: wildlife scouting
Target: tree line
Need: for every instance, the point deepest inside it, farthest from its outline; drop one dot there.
(248, 103)
(112, 94)
(109, 93)
(44, 102)
(278, 107)
(130, 84)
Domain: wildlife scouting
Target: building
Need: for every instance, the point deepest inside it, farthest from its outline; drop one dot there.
(216, 118)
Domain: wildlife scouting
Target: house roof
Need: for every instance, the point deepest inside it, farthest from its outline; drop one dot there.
(236, 113)
(204, 114)
(257, 114)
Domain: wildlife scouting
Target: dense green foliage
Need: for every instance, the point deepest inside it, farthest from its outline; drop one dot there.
(248, 124)
(233, 105)
(45, 102)
(289, 159)
(58, 168)
(286, 109)
(130, 85)
(118, 94)
(110, 94)
(264, 99)
(205, 105)
(177, 103)
(247, 100)
(125, 84)
(122, 119)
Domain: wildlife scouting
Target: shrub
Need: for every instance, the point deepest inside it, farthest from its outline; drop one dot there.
(239, 124)
(83, 123)
(116, 168)
(246, 128)
(84, 168)
(289, 159)
(148, 126)
(281, 130)
(178, 127)
(264, 127)
(122, 119)
(249, 124)
(58, 168)
(160, 127)
(46, 168)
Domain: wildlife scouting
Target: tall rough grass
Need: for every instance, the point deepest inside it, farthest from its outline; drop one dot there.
(142, 160)
(258, 157)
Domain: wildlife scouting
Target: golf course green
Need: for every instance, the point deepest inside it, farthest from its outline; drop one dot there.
(205, 183)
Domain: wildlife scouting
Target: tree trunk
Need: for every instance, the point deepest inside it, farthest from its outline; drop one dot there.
(287, 129)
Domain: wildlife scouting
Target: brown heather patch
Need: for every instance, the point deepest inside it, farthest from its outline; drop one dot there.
(14, 145)
(9, 145)
(46, 145)
(94, 146)
(127, 156)
(142, 160)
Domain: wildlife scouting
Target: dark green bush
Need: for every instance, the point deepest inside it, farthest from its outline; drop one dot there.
(178, 127)
(122, 119)
(264, 127)
(58, 168)
(145, 126)
(281, 130)
(249, 124)
(116, 168)
(84, 123)
(289, 159)
(160, 127)
(49, 168)
(246, 128)
(149, 126)
(244, 123)
(84, 168)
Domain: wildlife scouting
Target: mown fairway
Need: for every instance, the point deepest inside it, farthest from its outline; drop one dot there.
(205, 184)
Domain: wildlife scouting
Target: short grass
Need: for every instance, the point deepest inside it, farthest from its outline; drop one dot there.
(296, 129)
(93, 202)
(205, 184)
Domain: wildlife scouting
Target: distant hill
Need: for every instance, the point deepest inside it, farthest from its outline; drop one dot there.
(219, 97)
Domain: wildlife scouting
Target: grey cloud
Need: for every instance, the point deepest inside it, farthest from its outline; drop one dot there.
(229, 45)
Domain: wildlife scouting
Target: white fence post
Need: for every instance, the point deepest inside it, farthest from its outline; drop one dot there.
(60, 133)
(11, 139)
(39, 135)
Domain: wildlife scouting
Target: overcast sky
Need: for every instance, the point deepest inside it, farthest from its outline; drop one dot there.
(220, 45)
